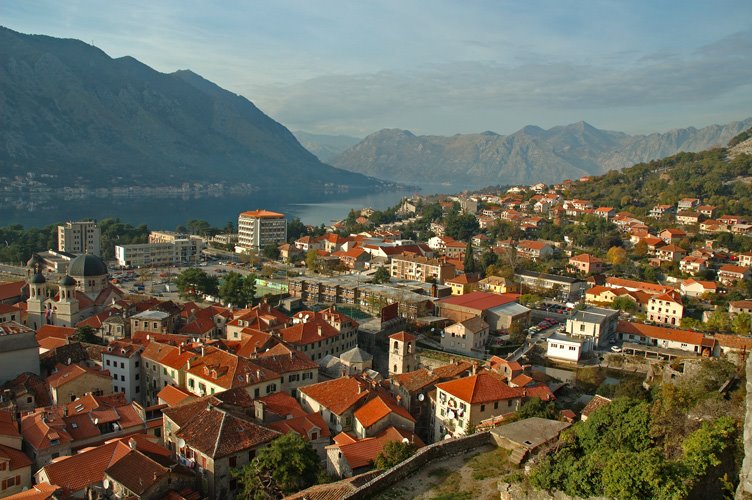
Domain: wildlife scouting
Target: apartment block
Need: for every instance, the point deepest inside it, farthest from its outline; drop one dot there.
(79, 237)
(260, 228)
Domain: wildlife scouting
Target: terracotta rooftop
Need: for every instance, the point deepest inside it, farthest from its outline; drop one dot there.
(594, 404)
(403, 337)
(66, 374)
(137, 472)
(304, 425)
(218, 433)
(483, 387)
(282, 404)
(378, 408)
(173, 396)
(480, 300)
(362, 453)
(338, 395)
(262, 214)
(659, 332)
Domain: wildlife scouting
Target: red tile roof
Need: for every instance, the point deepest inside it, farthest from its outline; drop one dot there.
(480, 300)
(303, 425)
(403, 336)
(41, 491)
(59, 332)
(362, 453)
(282, 404)
(17, 458)
(11, 289)
(66, 374)
(218, 433)
(483, 387)
(262, 214)
(338, 395)
(379, 408)
(137, 472)
(173, 396)
(659, 332)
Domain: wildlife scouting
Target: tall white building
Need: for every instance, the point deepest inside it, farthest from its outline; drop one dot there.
(123, 361)
(79, 237)
(260, 228)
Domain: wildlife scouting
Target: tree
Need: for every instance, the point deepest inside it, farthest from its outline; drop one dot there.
(536, 407)
(624, 303)
(311, 259)
(287, 465)
(393, 453)
(295, 229)
(195, 282)
(381, 275)
(469, 262)
(271, 251)
(87, 335)
(616, 256)
(238, 290)
(461, 226)
(742, 324)
(718, 321)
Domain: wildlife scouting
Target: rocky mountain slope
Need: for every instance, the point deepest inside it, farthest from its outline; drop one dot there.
(71, 113)
(531, 154)
(325, 147)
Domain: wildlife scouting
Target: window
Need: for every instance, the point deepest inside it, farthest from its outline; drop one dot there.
(138, 389)
(164, 370)
(122, 365)
(233, 461)
(191, 383)
(496, 405)
(108, 362)
(137, 363)
(482, 408)
(122, 378)
(114, 376)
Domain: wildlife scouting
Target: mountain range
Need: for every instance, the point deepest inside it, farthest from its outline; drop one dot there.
(326, 147)
(70, 112)
(529, 155)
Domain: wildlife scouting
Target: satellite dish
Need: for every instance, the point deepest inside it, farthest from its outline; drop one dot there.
(181, 443)
(421, 397)
(447, 437)
(106, 484)
(338, 427)
(405, 440)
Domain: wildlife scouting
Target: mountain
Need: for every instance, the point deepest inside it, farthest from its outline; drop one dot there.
(70, 111)
(529, 155)
(325, 147)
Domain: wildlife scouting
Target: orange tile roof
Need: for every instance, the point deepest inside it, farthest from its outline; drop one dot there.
(173, 396)
(480, 300)
(379, 408)
(596, 403)
(228, 370)
(587, 258)
(8, 425)
(302, 425)
(521, 380)
(403, 336)
(66, 374)
(11, 289)
(41, 491)
(362, 453)
(51, 343)
(60, 332)
(282, 404)
(483, 387)
(218, 433)
(262, 214)
(659, 332)
(653, 288)
(17, 458)
(734, 341)
(338, 395)
(136, 472)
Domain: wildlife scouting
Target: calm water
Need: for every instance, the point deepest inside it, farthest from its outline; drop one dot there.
(167, 213)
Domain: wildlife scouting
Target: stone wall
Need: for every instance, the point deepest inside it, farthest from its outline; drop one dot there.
(432, 452)
(744, 490)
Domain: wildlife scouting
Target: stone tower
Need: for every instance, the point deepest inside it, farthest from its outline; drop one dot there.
(67, 303)
(402, 353)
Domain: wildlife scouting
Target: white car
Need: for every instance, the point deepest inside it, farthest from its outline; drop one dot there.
(616, 348)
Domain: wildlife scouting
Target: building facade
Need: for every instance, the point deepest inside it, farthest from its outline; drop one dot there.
(79, 237)
(260, 228)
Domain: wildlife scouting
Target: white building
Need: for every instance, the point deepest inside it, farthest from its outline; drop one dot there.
(79, 237)
(260, 228)
(123, 361)
(595, 324)
(19, 351)
(566, 347)
(178, 251)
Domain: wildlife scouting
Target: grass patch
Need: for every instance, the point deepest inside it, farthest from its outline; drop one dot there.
(438, 472)
(492, 463)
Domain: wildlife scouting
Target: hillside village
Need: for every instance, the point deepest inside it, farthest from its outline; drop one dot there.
(391, 340)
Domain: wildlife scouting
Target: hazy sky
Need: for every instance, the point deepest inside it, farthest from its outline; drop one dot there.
(437, 67)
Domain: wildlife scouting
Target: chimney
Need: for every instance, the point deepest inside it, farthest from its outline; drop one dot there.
(132, 443)
(203, 353)
(258, 374)
(258, 410)
(189, 364)
(247, 378)
(320, 332)
(180, 348)
(360, 388)
(475, 367)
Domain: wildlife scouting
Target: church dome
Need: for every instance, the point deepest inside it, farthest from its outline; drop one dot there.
(37, 279)
(87, 265)
(67, 281)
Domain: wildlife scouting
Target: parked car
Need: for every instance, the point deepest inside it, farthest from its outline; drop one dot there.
(615, 348)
